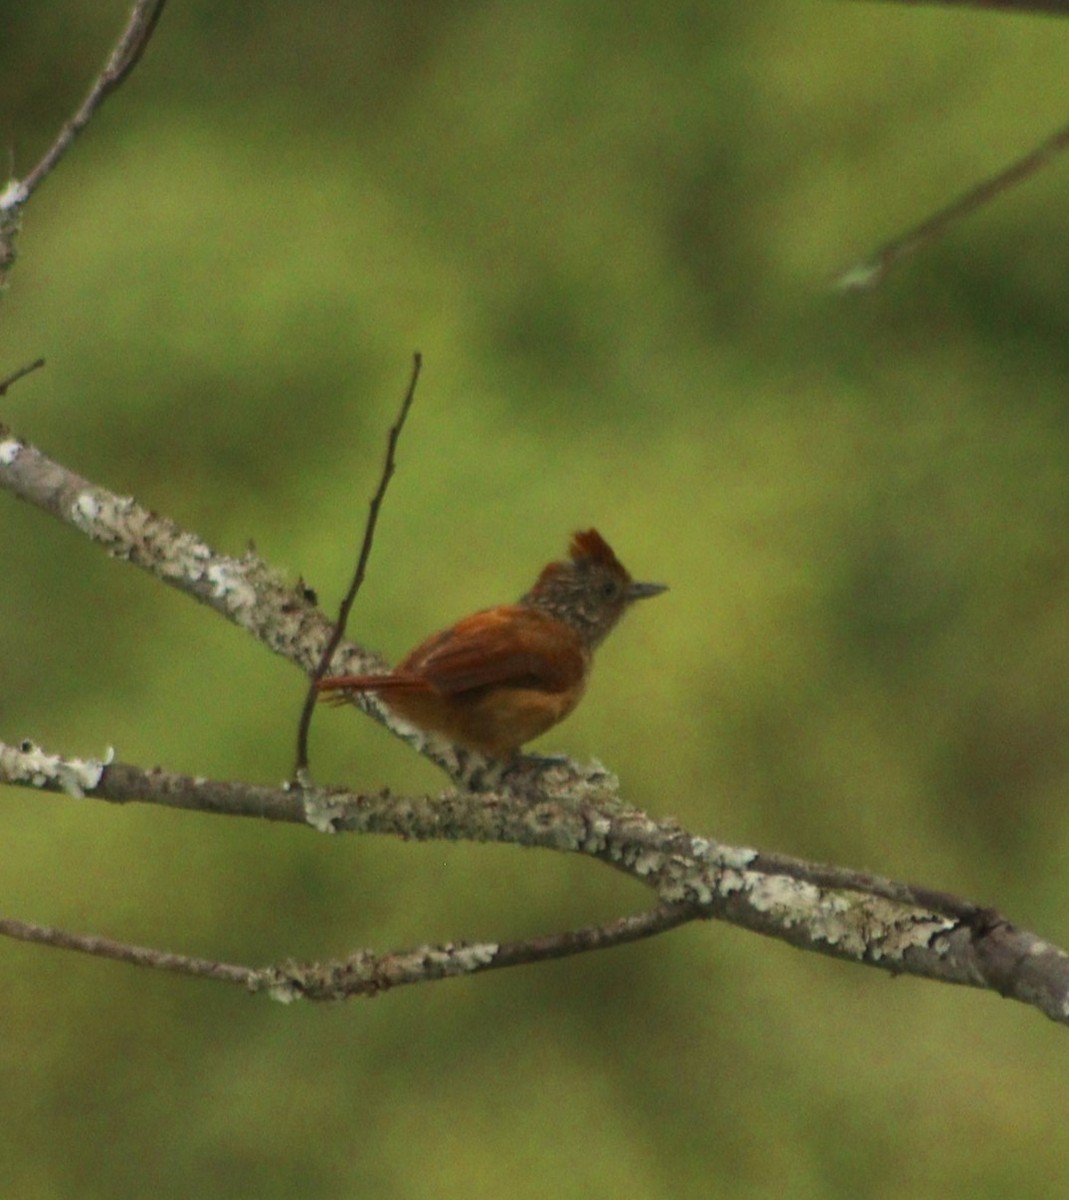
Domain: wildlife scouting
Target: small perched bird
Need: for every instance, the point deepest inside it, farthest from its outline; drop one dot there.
(502, 676)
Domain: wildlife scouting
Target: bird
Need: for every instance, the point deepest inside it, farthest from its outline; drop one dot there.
(500, 677)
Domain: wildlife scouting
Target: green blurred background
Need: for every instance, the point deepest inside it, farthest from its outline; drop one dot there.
(610, 229)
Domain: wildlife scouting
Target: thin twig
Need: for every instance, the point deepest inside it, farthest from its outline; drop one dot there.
(1047, 7)
(388, 468)
(21, 373)
(125, 56)
(871, 272)
(364, 973)
(138, 956)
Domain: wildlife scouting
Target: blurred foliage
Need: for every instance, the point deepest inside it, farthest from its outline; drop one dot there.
(610, 233)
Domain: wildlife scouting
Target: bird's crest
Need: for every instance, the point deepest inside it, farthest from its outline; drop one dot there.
(589, 545)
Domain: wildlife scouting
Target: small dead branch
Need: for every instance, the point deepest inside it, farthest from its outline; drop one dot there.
(364, 556)
(21, 373)
(124, 57)
(870, 273)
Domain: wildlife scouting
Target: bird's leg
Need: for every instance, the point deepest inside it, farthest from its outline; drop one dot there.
(538, 762)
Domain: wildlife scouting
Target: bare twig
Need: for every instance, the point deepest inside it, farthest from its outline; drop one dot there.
(388, 467)
(362, 973)
(139, 956)
(1058, 8)
(871, 272)
(125, 56)
(21, 373)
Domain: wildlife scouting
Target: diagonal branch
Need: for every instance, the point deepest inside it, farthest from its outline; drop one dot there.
(872, 271)
(244, 590)
(844, 914)
(1054, 8)
(10, 380)
(124, 57)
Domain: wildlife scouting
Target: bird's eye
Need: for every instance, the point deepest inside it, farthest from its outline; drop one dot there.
(609, 589)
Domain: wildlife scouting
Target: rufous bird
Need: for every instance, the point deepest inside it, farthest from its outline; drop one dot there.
(497, 679)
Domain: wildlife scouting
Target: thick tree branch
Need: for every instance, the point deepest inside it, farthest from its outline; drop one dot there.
(840, 913)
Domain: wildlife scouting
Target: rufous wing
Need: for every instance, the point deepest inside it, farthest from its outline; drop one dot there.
(509, 646)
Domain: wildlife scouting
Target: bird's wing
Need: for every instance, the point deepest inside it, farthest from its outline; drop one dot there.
(509, 646)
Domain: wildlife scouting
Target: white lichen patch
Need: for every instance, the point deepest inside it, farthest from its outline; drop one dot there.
(771, 893)
(648, 861)
(830, 917)
(10, 449)
(597, 833)
(28, 763)
(13, 196)
(471, 957)
(453, 959)
(731, 881)
(134, 534)
(284, 993)
(736, 857)
(229, 582)
(86, 509)
(106, 518)
(322, 813)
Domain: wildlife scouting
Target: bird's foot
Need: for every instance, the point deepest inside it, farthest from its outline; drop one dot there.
(478, 773)
(526, 770)
(521, 771)
(538, 762)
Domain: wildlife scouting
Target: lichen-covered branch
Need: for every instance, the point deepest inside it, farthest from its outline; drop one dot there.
(847, 915)
(242, 589)
(362, 973)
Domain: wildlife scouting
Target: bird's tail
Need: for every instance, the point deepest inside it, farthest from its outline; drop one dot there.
(387, 684)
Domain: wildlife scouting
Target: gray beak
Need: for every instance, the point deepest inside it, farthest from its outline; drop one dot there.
(642, 591)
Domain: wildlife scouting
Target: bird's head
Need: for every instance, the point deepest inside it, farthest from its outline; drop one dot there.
(591, 591)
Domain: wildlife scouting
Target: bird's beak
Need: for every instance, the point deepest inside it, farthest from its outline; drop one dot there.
(642, 591)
